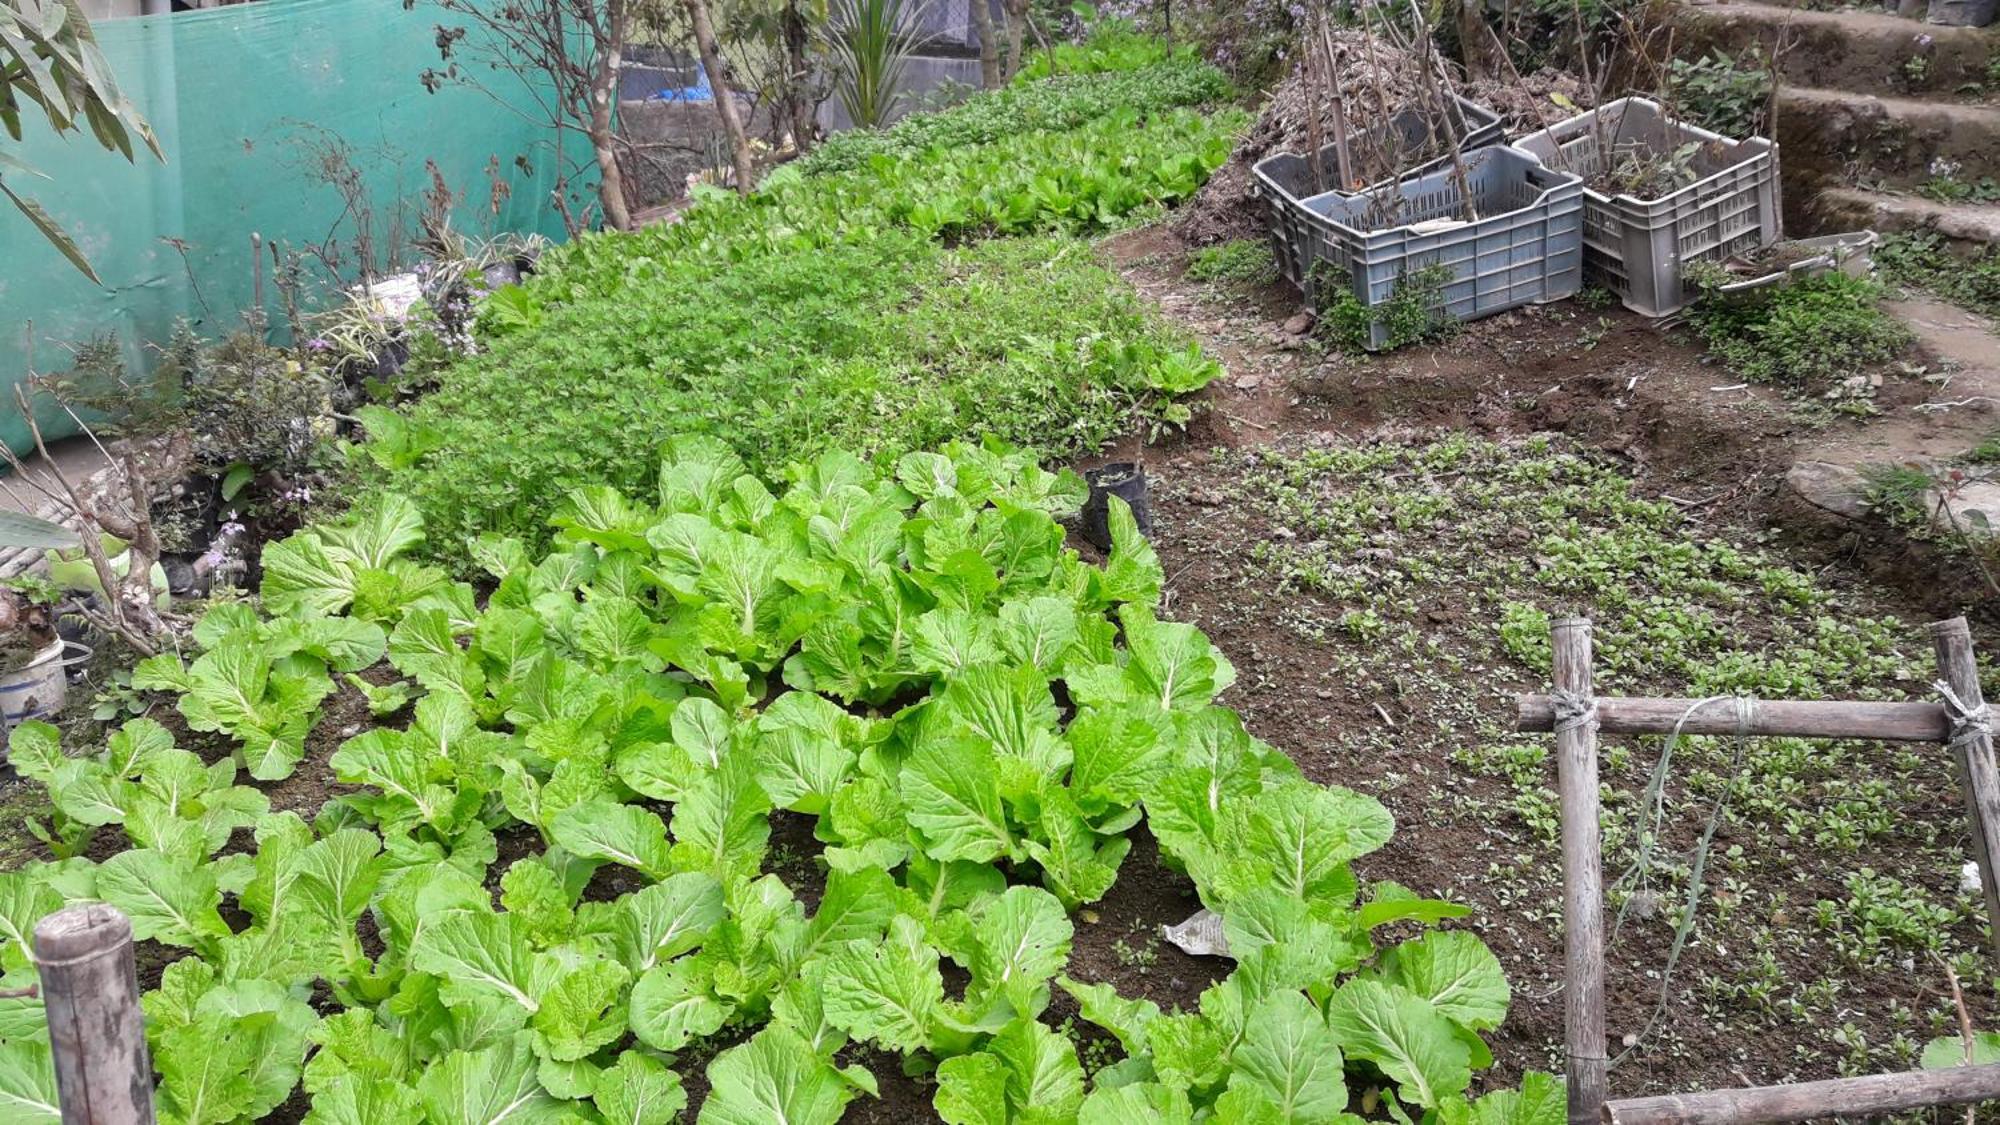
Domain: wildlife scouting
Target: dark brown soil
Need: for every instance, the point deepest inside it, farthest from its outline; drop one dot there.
(1640, 390)
(1611, 383)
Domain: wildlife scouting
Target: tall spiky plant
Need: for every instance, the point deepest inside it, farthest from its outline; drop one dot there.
(872, 42)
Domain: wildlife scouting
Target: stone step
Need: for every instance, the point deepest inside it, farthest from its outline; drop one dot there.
(1966, 226)
(1833, 136)
(1862, 51)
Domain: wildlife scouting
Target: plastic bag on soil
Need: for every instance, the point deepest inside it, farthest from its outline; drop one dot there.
(1200, 935)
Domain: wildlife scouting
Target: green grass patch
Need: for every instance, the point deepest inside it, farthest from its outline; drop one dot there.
(1987, 452)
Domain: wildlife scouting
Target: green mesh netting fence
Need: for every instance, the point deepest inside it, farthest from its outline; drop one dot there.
(247, 100)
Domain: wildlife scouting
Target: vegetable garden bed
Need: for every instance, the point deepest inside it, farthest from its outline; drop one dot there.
(972, 717)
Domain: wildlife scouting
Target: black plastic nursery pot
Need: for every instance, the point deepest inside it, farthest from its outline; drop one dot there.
(393, 355)
(1122, 479)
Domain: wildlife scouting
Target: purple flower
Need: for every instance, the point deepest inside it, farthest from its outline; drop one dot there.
(320, 344)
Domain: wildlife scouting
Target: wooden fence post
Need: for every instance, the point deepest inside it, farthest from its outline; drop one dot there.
(1978, 777)
(90, 989)
(1583, 876)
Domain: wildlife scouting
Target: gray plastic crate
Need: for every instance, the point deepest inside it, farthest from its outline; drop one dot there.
(1635, 247)
(1526, 247)
(1852, 253)
(1290, 173)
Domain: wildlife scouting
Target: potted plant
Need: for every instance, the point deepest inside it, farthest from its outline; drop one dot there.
(31, 664)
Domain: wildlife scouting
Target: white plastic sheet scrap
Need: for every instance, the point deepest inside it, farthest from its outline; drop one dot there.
(1200, 935)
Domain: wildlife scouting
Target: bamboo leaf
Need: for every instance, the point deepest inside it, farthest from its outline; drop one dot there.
(18, 529)
(51, 230)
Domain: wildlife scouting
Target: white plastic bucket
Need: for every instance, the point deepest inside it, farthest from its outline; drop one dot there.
(37, 689)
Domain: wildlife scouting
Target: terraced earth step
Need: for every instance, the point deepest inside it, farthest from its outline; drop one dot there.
(1970, 225)
(1884, 139)
(1860, 51)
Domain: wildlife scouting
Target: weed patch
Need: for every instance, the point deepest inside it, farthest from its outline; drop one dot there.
(1803, 334)
(1244, 261)
(1411, 315)
(1923, 261)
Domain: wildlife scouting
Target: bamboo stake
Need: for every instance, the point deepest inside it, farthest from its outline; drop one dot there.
(1343, 160)
(1972, 745)
(1583, 874)
(1812, 1101)
(1315, 138)
(1886, 722)
(97, 1036)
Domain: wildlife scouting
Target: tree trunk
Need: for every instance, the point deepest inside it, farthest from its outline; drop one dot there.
(1476, 43)
(725, 98)
(603, 100)
(989, 44)
(1017, 30)
(798, 107)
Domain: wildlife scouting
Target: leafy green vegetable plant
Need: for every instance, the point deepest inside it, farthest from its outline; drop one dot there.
(882, 348)
(1045, 106)
(1110, 45)
(971, 717)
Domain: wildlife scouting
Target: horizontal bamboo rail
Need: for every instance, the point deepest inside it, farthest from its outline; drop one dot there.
(1887, 722)
(1962, 723)
(1806, 1101)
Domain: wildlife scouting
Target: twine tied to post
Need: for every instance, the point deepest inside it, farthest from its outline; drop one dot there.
(1573, 710)
(1967, 723)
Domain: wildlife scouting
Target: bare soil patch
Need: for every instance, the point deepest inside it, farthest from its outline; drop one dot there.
(1400, 684)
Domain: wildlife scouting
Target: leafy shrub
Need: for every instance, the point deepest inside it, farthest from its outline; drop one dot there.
(1245, 261)
(1053, 105)
(1803, 332)
(1721, 94)
(889, 346)
(1411, 314)
(878, 652)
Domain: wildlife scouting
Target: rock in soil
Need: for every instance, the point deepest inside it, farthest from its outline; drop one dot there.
(1833, 488)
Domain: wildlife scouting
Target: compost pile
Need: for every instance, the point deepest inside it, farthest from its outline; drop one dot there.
(1533, 101)
(1376, 78)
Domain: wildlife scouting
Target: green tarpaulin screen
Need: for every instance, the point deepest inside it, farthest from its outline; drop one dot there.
(241, 97)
